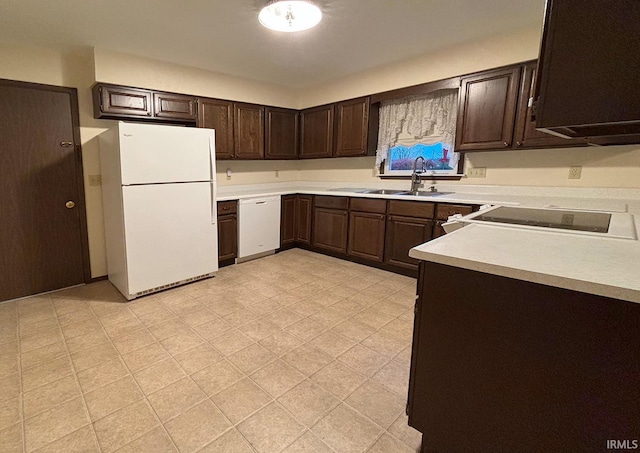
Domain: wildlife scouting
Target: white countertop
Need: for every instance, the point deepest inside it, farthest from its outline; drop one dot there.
(604, 266)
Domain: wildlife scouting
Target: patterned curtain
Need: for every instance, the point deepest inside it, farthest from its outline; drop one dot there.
(419, 116)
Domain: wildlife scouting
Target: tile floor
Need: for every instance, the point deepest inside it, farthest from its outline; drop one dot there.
(296, 352)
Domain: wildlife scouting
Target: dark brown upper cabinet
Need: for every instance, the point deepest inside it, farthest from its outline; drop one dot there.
(121, 102)
(218, 115)
(117, 102)
(487, 109)
(239, 128)
(248, 131)
(281, 133)
(352, 128)
(175, 106)
(316, 126)
(587, 84)
(526, 134)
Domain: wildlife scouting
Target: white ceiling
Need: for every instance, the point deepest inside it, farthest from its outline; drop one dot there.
(224, 35)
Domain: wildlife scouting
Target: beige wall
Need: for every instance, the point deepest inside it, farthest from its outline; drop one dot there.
(124, 69)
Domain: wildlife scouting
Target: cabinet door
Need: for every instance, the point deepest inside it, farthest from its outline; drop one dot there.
(218, 115)
(486, 110)
(316, 127)
(404, 233)
(122, 102)
(303, 218)
(288, 220)
(227, 237)
(366, 235)
(174, 106)
(330, 229)
(352, 120)
(437, 229)
(281, 133)
(526, 135)
(249, 131)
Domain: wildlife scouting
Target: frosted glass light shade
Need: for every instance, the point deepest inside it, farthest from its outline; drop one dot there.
(290, 15)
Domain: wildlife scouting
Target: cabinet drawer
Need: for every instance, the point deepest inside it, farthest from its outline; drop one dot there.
(227, 207)
(369, 205)
(412, 209)
(324, 201)
(445, 210)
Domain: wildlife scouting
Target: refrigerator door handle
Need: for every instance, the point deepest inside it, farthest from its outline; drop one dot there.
(214, 189)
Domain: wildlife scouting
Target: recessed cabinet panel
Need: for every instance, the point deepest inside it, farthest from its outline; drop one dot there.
(404, 233)
(174, 106)
(281, 140)
(352, 122)
(288, 220)
(330, 229)
(124, 101)
(218, 115)
(366, 235)
(249, 131)
(486, 111)
(304, 205)
(316, 132)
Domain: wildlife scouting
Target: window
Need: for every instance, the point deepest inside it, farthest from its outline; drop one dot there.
(418, 126)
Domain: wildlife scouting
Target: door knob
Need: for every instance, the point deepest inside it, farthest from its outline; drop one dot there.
(70, 204)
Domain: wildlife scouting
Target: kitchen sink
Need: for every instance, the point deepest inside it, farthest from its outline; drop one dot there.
(426, 193)
(388, 192)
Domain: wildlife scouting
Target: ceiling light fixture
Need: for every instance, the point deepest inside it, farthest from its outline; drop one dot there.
(290, 15)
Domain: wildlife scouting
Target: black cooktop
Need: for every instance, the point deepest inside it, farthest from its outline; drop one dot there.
(597, 222)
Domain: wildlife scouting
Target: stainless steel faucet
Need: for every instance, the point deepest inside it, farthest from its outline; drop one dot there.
(415, 176)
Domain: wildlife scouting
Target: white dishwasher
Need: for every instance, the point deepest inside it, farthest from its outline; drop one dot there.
(258, 226)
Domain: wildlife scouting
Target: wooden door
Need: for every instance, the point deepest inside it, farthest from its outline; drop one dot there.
(404, 233)
(303, 218)
(527, 136)
(366, 235)
(487, 109)
(218, 115)
(281, 133)
(352, 121)
(316, 128)
(288, 220)
(330, 229)
(43, 228)
(249, 131)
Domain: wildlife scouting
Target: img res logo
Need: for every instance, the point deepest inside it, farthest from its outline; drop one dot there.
(614, 444)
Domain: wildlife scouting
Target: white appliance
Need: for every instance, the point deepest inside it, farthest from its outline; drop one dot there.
(258, 226)
(159, 203)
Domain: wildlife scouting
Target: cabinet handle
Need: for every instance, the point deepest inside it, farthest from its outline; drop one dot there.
(226, 208)
(505, 144)
(518, 144)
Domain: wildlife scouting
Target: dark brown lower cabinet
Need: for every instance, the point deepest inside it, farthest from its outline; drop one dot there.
(366, 235)
(304, 205)
(295, 219)
(505, 365)
(404, 233)
(227, 230)
(330, 228)
(288, 220)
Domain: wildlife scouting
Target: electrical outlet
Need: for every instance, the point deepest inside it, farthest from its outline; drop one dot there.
(478, 172)
(95, 180)
(575, 172)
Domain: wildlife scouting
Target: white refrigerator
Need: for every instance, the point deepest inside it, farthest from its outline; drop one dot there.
(159, 204)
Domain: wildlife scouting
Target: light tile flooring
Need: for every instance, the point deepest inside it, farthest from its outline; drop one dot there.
(296, 352)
